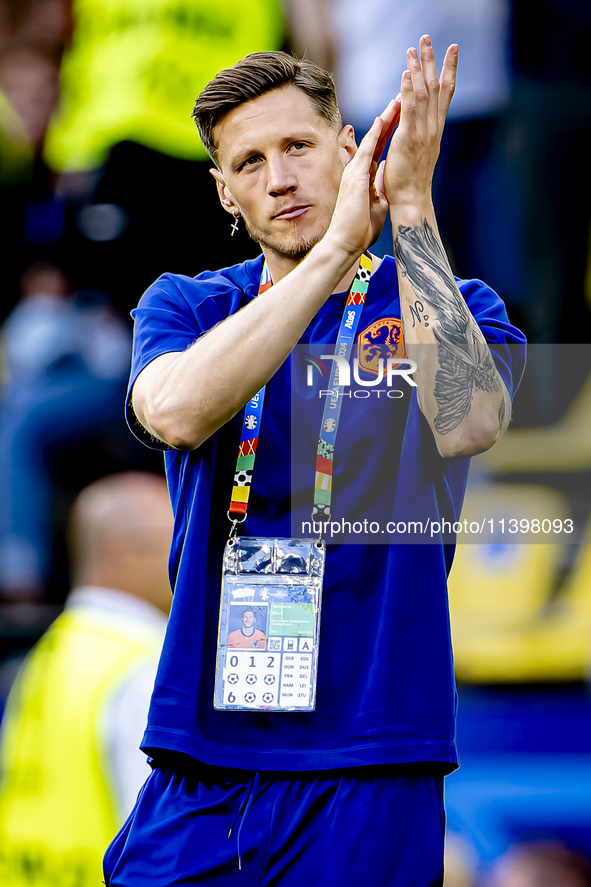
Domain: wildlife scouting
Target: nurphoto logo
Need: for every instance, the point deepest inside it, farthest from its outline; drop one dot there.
(341, 377)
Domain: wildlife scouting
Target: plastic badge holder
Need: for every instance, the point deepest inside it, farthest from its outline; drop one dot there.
(267, 655)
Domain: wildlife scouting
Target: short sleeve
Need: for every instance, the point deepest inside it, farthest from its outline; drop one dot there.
(507, 343)
(175, 311)
(163, 322)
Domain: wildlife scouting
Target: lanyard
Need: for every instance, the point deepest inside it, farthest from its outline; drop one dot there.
(251, 425)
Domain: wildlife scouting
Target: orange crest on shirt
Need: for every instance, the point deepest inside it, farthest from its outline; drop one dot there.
(383, 338)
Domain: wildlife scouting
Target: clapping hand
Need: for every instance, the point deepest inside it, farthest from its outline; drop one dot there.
(405, 178)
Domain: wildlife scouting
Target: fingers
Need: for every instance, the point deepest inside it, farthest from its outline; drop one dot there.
(428, 63)
(420, 96)
(448, 80)
(426, 96)
(379, 180)
(407, 100)
(379, 204)
(430, 78)
(369, 144)
(390, 117)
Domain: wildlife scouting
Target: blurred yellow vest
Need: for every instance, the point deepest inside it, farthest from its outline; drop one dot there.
(135, 68)
(57, 811)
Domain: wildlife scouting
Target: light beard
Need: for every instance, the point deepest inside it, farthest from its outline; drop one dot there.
(295, 248)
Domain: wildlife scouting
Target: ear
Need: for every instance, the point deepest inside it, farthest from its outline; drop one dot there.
(346, 142)
(224, 194)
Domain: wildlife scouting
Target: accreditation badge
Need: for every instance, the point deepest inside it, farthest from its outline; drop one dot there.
(267, 654)
(268, 634)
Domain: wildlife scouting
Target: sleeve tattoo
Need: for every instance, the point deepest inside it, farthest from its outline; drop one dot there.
(465, 361)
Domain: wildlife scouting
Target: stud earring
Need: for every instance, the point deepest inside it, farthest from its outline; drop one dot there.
(235, 224)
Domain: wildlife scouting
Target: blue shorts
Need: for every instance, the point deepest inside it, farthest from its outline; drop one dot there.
(226, 827)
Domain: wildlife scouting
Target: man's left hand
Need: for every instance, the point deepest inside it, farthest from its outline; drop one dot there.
(425, 100)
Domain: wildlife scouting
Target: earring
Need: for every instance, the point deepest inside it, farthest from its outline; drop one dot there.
(235, 224)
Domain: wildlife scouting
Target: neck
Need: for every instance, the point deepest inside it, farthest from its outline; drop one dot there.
(280, 266)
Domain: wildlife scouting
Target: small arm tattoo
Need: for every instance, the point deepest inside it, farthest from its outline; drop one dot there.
(416, 312)
(465, 361)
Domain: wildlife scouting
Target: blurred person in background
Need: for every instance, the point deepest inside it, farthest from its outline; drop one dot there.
(542, 864)
(124, 145)
(65, 361)
(16, 171)
(357, 37)
(120, 152)
(507, 169)
(33, 34)
(70, 765)
(29, 82)
(471, 190)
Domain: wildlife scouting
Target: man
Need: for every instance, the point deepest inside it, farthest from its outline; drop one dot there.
(70, 764)
(249, 635)
(65, 361)
(353, 789)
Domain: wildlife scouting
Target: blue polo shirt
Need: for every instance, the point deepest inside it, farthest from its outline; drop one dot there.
(386, 691)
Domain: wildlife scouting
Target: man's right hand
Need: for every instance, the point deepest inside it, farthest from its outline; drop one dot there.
(361, 207)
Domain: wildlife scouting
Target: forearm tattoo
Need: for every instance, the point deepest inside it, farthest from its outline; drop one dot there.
(465, 362)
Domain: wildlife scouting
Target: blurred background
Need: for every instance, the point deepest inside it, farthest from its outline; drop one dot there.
(104, 185)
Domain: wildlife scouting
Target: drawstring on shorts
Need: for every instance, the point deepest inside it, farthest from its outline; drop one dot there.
(250, 789)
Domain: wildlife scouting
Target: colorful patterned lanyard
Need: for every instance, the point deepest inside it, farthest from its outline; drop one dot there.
(251, 426)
